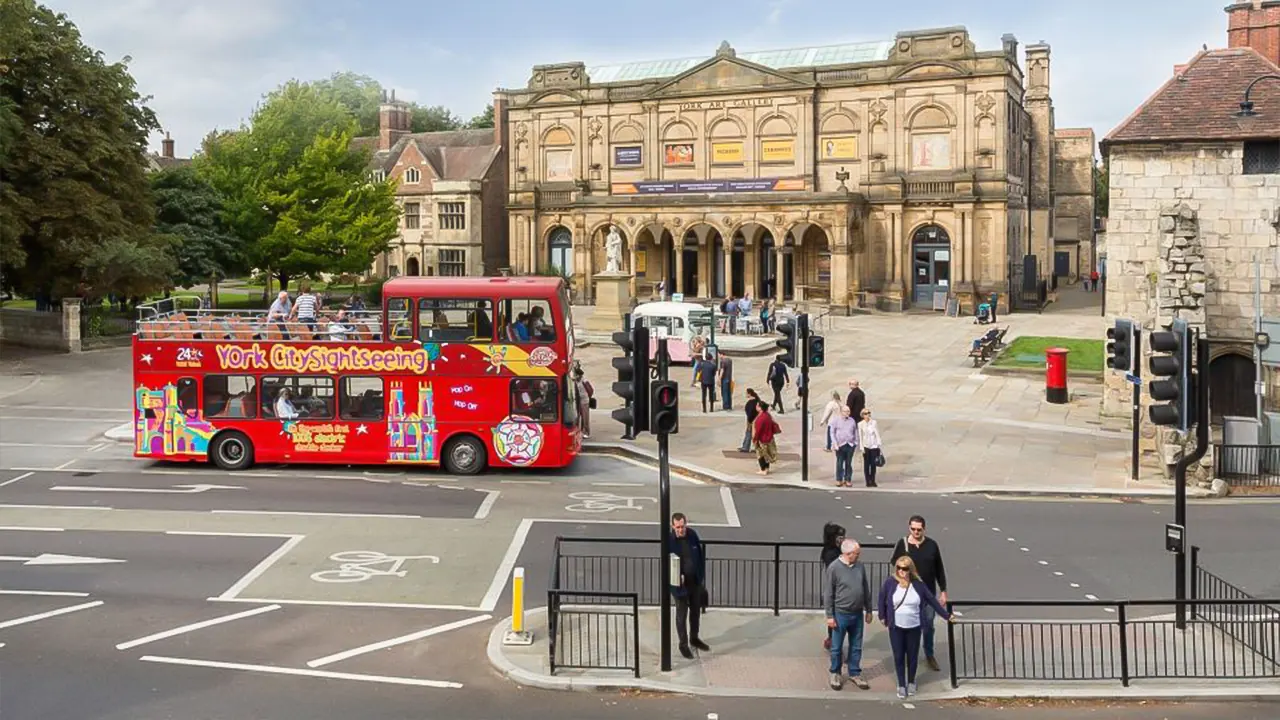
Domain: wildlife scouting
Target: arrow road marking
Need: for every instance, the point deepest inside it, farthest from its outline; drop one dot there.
(55, 559)
(176, 489)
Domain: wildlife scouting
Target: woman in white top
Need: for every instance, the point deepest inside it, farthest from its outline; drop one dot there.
(869, 441)
(284, 406)
(901, 606)
(829, 413)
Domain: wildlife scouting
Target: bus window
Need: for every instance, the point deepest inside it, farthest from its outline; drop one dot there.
(399, 319)
(230, 396)
(361, 399)
(570, 402)
(189, 396)
(303, 397)
(442, 320)
(536, 399)
(528, 321)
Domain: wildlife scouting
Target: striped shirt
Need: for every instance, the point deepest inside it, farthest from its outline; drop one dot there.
(305, 306)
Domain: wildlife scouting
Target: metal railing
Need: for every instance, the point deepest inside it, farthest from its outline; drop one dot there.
(1124, 649)
(740, 574)
(1253, 623)
(185, 317)
(1247, 465)
(600, 631)
(100, 322)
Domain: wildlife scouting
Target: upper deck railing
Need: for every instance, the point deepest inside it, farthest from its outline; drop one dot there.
(186, 318)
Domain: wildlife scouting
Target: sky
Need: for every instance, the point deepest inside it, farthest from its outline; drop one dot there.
(206, 63)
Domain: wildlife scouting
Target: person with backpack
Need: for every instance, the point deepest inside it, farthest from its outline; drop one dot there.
(764, 435)
(752, 409)
(832, 536)
(778, 379)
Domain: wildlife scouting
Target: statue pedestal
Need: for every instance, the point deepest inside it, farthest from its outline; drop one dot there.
(613, 300)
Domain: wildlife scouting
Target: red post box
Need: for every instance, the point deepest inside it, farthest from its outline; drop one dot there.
(1055, 375)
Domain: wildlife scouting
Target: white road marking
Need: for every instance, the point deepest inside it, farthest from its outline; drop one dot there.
(411, 637)
(522, 482)
(43, 408)
(343, 603)
(56, 559)
(34, 382)
(195, 626)
(44, 593)
(55, 507)
(730, 507)
(18, 528)
(343, 477)
(1075, 585)
(314, 514)
(298, 671)
(1090, 597)
(97, 447)
(491, 497)
(175, 490)
(1043, 562)
(1025, 549)
(262, 567)
(618, 484)
(44, 445)
(49, 614)
(66, 464)
(211, 533)
(1057, 573)
(24, 476)
(508, 563)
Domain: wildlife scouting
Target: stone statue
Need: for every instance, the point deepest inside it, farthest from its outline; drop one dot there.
(613, 250)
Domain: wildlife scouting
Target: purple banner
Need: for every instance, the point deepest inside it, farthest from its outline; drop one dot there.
(628, 155)
(709, 186)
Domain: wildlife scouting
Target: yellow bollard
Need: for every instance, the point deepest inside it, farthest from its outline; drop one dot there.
(517, 635)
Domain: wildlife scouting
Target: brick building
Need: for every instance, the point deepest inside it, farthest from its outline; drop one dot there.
(881, 174)
(166, 158)
(450, 187)
(1195, 198)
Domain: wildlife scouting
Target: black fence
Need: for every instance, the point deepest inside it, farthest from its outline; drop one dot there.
(103, 322)
(1247, 465)
(1139, 643)
(584, 636)
(1253, 623)
(740, 574)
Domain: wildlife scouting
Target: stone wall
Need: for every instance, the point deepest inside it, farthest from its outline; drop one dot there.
(32, 329)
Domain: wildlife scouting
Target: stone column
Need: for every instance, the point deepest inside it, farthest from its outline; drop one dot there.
(970, 249)
(631, 267)
(71, 324)
(839, 246)
(589, 271)
(728, 267)
(778, 274)
(531, 236)
(678, 284)
(705, 260)
(895, 248)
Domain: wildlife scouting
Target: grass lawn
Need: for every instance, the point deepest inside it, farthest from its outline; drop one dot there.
(1028, 352)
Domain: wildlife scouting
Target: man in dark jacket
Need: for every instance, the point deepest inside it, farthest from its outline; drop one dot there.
(752, 409)
(856, 401)
(927, 556)
(689, 587)
(778, 378)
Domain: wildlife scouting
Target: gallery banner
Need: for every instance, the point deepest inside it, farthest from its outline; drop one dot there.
(628, 155)
(778, 151)
(708, 186)
(727, 153)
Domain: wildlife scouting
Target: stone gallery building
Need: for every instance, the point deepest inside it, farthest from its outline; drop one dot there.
(450, 187)
(1195, 198)
(889, 174)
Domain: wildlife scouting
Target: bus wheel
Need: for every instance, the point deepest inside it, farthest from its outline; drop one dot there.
(464, 455)
(232, 451)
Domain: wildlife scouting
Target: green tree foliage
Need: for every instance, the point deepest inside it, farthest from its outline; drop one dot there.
(433, 119)
(76, 211)
(483, 120)
(1101, 188)
(295, 190)
(359, 94)
(189, 212)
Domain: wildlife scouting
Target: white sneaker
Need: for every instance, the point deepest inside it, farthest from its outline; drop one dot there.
(902, 693)
(911, 688)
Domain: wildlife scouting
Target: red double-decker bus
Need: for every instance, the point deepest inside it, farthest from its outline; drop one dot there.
(461, 372)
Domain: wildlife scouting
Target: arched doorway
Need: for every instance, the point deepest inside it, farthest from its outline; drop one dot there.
(767, 267)
(1231, 379)
(688, 281)
(717, 267)
(738, 266)
(560, 251)
(930, 263)
(411, 267)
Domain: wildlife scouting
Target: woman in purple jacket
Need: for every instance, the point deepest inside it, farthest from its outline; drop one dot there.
(902, 601)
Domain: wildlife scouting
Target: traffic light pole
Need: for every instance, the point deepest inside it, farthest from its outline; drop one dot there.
(664, 523)
(804, 407)
(1137, 402)
(1180, 476)
(629, 432)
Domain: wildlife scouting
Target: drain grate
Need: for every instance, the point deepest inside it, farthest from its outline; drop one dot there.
(84, 474)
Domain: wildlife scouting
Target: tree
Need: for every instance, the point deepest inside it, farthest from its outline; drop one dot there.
(77, 211)
(290, 178)
(189, 212)
(433, 119)
(361, 95)
(483, 120)
(1101, 188)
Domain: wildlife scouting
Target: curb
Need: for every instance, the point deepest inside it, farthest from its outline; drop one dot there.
(1035, 690)
(122, 433)
(701, 474)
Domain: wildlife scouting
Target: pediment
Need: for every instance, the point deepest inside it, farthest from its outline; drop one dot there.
(931, 70)
(556, 97)
(728, 73)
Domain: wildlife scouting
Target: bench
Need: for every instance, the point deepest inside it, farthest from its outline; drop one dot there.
(985, 347)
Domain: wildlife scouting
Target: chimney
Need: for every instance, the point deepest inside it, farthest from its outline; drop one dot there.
(1255, 24)
(1038, 70)
(166, 146)
(394, 120)
(500, 119)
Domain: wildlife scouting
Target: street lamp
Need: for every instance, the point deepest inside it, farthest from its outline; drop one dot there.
(1246, 105)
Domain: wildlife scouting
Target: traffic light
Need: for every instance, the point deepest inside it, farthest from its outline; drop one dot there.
(789, 342)
(665, 406)
(1178, 389)
(817, 351)
(633, 379)
(1120, 344)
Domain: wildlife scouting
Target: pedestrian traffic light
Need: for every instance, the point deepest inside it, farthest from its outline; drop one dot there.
(1178, 389)
(665, 406)
(633, 379)
(1120, 344)
(817, 351)
(789, 344)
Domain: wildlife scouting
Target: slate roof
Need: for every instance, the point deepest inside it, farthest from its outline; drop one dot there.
(801, 57)
(1200, 102)
(452, 154)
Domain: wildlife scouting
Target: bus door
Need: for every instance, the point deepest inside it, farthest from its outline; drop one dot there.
(534, 428)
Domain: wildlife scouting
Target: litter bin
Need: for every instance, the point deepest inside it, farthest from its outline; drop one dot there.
(1055, 375)
(1242, 454)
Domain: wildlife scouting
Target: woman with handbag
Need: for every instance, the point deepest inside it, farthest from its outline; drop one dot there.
(763, 431)
(903, 599)
(869, 441)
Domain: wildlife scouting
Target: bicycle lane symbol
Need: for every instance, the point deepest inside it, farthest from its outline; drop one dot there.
(603, 502)
(360, 565)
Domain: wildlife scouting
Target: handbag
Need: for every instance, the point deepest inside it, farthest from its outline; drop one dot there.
(880, 459)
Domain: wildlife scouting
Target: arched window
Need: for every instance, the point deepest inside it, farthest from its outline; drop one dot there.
(412, 176)
(411, 267)
(560, 249)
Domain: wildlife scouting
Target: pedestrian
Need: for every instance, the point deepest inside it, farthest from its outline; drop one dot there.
(706, 375)
(583, 391)
(846, 598)
(832, 536)
(763, 433)
(726, 382)
(901, 605)
(857, 399)
(869, 441)
(801, 387)
(766, 313)
(697, 353)
(844, 436)
(927, 558)
(777, 378)
(829, 413)
(753, 409)
(1093, 281)
(689, 589)
(730, 309)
